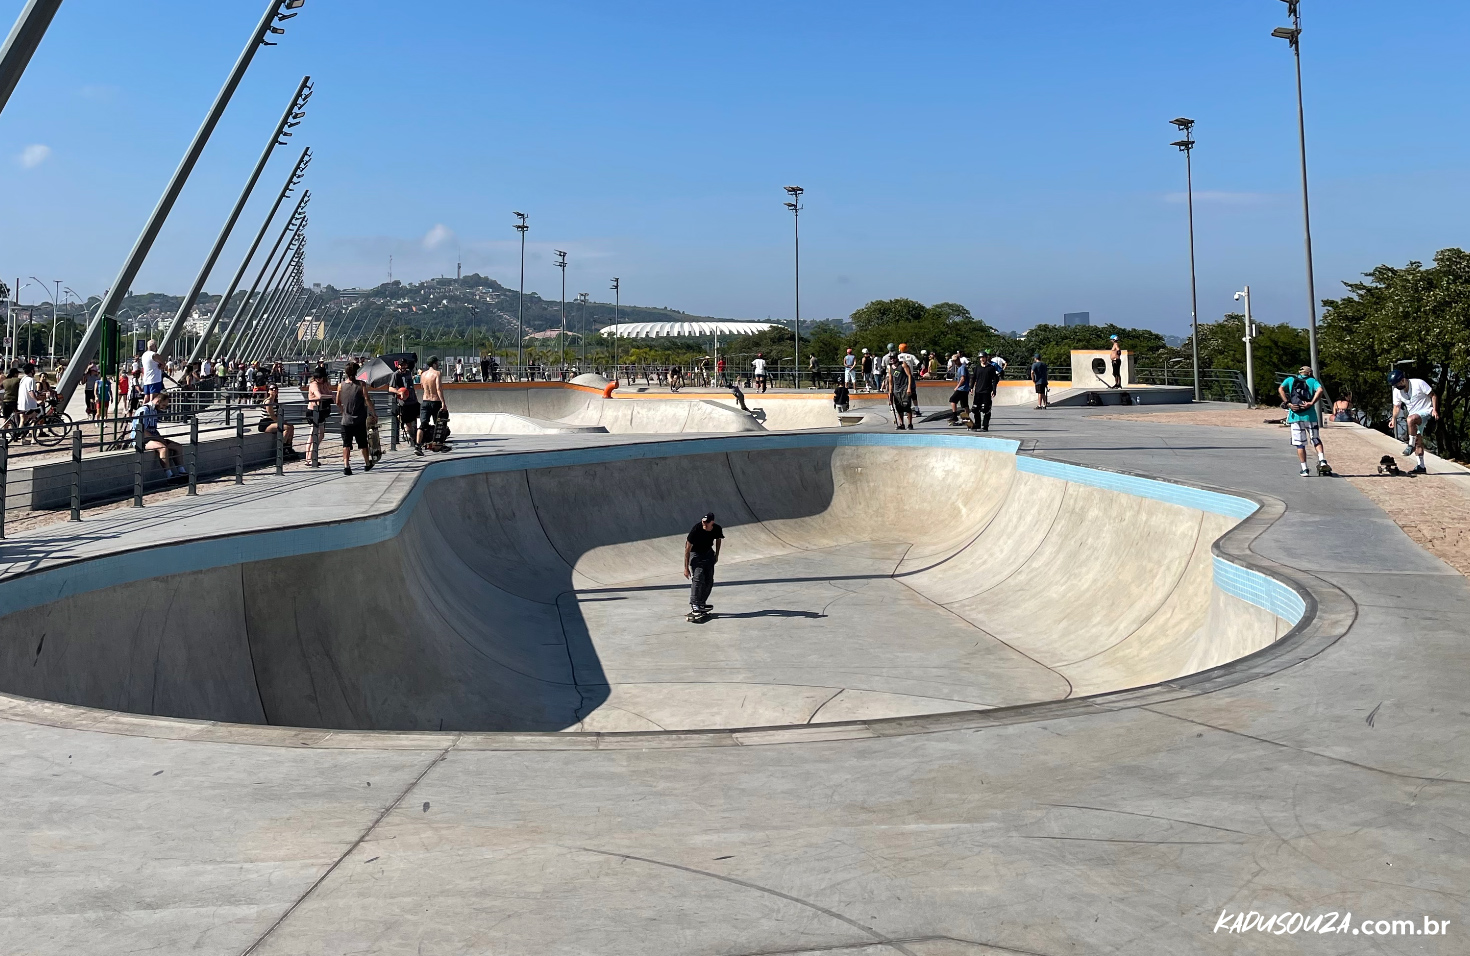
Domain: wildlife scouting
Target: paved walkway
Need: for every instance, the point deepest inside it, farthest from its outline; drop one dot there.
(1339, 784)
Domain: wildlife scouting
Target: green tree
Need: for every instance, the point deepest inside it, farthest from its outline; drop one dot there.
(1277, 349)
(1414, 318)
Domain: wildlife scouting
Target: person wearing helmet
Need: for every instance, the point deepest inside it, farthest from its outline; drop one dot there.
(1416, 403)
(1300, 394)
(1115, 354)
(900, 383)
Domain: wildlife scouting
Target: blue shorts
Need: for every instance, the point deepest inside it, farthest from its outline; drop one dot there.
(153, 389)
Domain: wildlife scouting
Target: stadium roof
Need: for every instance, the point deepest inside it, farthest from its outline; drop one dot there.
(660, 330)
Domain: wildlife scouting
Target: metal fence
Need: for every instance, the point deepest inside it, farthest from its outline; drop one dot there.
(1215, 385)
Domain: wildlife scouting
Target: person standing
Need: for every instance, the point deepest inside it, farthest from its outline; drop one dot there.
(720, 370)
(1300, 393)
(960, 397)
(849, 370)
(1039, 377)
(1115, 355)
(758, 368)
(11, 396)
(152, 371)
(459, 369)
(900, 386)
(408, 403)
(984, 381)
(811, 365)
(868, 383)
(701, 552)
(433, 403)
(1415, 401)
(355, 412)
(29, 400)
(90, 377)
(319, 408)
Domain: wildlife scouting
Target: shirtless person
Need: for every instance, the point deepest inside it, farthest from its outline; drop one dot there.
(1115, 355)
(432, 404)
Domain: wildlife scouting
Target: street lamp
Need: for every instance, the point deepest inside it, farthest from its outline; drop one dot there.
(54, 299)
(582, 298)
(1186, 146)
(561, 263)
(1292, 35)
(521, 227)
(795, 206)
(1250, 333)
(617, 301)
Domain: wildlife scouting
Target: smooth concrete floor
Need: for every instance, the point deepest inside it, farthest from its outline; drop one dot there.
(1341, 783)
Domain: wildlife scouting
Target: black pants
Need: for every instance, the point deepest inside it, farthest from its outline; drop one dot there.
(701, 579)
(980, 410)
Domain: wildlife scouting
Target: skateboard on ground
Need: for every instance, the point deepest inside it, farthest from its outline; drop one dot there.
(699, 617)
(1324, 470)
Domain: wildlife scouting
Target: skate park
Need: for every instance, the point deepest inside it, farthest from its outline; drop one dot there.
(1114, 673)
(1160, 624)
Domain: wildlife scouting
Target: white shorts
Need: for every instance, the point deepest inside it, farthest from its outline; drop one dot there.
(1304, 433)
(849, 376)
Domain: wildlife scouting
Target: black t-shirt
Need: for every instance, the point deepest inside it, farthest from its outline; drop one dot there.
(402, 379)
(1039, 371)
(985, 376)
(702, 541)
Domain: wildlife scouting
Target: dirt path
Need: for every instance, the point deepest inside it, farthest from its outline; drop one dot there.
(1433, 509)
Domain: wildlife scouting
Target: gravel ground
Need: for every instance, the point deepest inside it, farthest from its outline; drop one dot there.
(1433, 509)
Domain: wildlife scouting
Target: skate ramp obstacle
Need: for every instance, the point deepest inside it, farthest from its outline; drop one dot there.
(549, 407)
(863, 576)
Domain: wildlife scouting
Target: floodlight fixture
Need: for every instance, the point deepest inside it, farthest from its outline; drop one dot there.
(1183, 122)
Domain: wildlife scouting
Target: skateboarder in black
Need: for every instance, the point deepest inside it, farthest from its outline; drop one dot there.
(701, 551)
(985, 382)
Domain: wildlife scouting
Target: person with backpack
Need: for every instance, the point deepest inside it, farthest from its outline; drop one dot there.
(1300, 394)
(1415, 401)
(408, 403)
(900, 386)
(356, 412)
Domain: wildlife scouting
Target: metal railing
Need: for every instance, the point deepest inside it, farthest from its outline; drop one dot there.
(1215, 384)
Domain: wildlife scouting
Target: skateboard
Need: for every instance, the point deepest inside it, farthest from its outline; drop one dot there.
(1324, 470)
(697, 617)
(375, 442)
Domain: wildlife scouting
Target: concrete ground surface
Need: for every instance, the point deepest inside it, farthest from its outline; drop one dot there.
(1323, 777)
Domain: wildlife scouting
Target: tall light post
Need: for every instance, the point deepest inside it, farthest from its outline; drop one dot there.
(521, 227)
(582, 298)
(561, 263)
(1293, 36)
(1250, 333)
(617, 301)
(54, 299)
(795, 206)
(1186, 146)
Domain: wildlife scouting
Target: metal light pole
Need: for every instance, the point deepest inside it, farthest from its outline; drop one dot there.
(54, 298)
(617, 302)
(1293, 35)
(561, 263)
(521, 227)
(582, 298)
(88, 345)
(1250, 333)
(1186, 146)
(24, 37)
(298, 172)
(289, 120)
(795, 206)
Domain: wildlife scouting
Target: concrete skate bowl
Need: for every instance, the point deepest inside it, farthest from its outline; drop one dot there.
(864, 577)
(543, 408)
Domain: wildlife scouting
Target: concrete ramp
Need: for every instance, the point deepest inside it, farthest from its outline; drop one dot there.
(881, 577)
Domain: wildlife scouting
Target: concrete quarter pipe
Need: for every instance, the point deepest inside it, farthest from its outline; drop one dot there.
(864, 577)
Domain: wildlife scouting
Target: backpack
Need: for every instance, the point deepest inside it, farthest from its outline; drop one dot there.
(1299, 393)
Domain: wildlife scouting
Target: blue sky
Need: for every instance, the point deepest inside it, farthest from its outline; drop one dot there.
(1013, 157)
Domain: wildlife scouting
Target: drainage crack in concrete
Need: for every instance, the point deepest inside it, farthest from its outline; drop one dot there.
(438, 759)
(879, 937)
(1303, 750)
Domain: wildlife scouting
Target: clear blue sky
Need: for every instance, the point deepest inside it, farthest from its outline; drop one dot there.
(1010, 156)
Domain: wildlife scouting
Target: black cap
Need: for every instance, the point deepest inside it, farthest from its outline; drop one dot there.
(709, 516)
